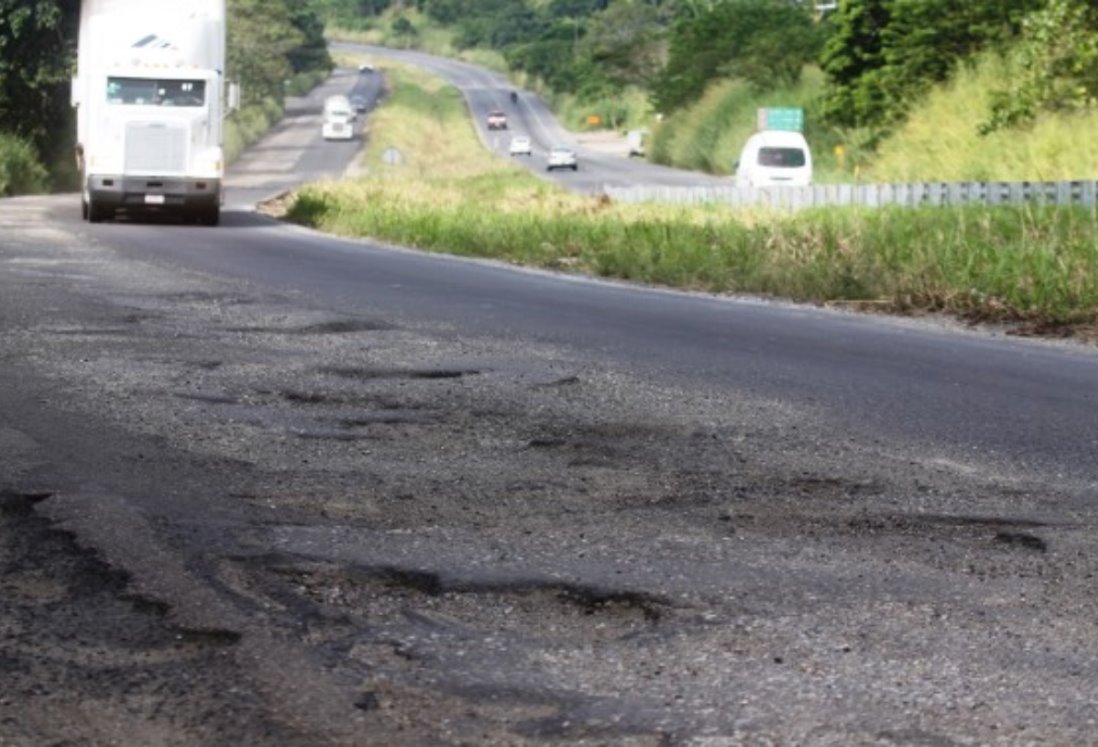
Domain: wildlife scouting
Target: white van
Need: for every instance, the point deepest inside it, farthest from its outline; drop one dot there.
(775, 158)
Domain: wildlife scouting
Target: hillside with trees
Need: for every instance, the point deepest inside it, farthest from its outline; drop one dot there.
(869, 74)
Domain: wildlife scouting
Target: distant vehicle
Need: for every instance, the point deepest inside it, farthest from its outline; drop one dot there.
(634, 139)
(339, 106)
(359, 103)
(365, 67)
(520, 146)
(775, 158)
(514, 97)
(497, 120)
(338, 128)
(150, 96)
(562, 157)
(339, 119)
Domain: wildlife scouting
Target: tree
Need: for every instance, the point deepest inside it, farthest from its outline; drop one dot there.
(312, 53)
(1054, 66)
(626, 42)
(37, 46)
(261, 35)
(852, 58)
(766, 42)
(884, 54)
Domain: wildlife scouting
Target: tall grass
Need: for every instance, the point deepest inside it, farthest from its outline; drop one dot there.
(940, 141)
(1006, 263)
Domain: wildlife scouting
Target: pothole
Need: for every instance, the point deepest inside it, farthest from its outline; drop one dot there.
(1006, 531)
(534, 608)
(338, 327)
(368, 374)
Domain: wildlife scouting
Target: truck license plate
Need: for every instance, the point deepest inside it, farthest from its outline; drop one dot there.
(154, 199)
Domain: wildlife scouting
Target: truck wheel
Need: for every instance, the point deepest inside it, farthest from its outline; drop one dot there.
(96, 212)
(210, 216)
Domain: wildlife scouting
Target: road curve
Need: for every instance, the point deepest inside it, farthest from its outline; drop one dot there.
(485, 91)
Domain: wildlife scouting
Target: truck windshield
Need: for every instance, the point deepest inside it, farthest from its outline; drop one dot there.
(152, 92)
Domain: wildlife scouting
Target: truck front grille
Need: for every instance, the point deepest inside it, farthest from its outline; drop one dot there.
(155, 149)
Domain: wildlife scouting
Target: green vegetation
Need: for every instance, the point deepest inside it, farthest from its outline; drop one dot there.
(882, 55)
(709, 135)
(762, 42)
(37, 44)
(941, 138)
(1018, 264)
(1053, 67)
(274, 49)
(20, 172)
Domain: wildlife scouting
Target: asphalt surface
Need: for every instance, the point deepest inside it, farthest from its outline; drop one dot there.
(261, 486)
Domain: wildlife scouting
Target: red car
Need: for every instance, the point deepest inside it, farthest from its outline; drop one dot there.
(497, 120)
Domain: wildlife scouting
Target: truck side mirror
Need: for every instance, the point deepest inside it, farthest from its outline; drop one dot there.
(234, 96)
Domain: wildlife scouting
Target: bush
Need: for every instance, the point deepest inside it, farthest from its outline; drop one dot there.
(20, 171)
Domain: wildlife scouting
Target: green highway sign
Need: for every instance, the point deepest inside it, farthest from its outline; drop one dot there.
(781, 118)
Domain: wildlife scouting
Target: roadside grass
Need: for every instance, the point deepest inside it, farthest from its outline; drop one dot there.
(1031, 265)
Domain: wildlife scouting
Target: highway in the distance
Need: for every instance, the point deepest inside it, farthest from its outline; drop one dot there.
(486, 91)
(266, 486)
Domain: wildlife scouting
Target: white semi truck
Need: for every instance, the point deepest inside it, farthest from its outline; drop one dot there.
(150, 97)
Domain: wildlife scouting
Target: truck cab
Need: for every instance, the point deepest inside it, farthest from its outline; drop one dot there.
(339, 119)
(149, 99)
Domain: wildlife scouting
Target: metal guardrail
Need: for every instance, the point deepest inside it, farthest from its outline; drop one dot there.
(1082, 193)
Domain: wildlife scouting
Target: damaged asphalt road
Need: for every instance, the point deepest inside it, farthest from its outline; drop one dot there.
(237, 514)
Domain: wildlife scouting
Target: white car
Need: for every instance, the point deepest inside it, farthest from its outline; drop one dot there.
(562, 157)
(520, 146)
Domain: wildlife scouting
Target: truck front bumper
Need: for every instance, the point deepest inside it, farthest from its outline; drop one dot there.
(182, 194)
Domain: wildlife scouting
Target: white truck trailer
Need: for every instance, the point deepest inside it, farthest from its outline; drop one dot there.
(149, 92)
